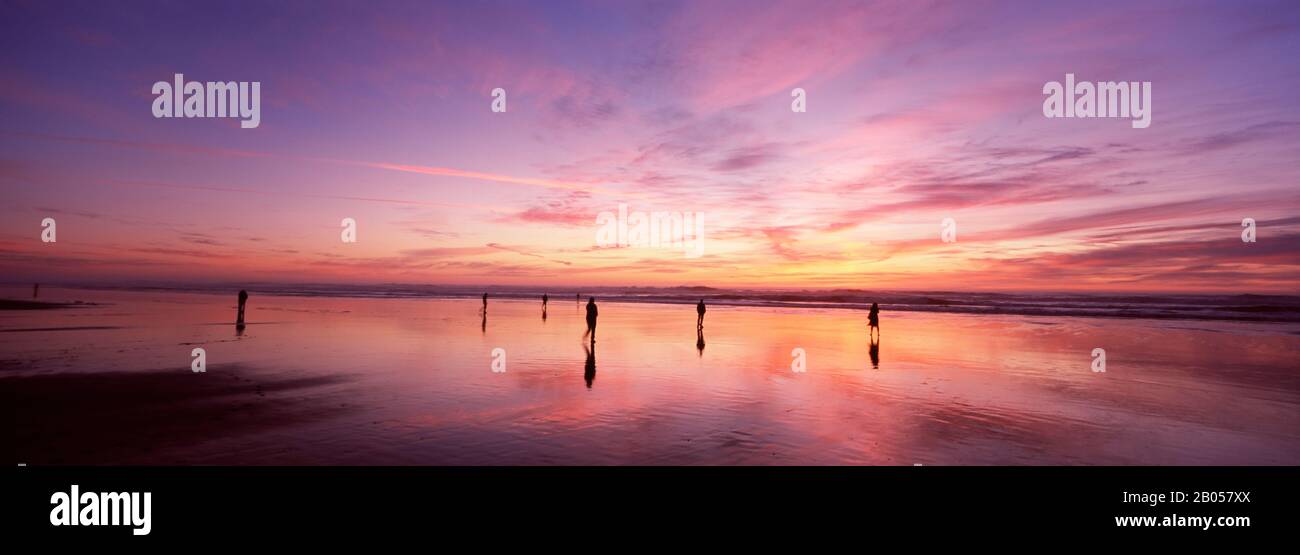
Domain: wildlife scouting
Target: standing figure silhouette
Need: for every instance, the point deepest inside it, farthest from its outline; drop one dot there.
(243, 299)
(873, 320)
(591, 320)
(699, 310)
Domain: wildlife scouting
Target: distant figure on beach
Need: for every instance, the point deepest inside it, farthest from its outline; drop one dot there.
(36, 290)
(591, 320)
(589, 370)
(243, 299)
(873, 320)
(875, 353)
(699, 310)
(544, 301)
(485, 303)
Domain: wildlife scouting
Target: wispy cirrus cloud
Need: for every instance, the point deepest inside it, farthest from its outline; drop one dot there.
(917, 112)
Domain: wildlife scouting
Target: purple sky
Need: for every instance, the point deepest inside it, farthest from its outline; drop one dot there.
(916, 112)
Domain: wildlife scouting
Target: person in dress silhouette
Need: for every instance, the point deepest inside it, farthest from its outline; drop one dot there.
(873, 320)
(591, 320)
(243, 299)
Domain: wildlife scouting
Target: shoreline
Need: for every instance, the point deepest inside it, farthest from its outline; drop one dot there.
(1173, 307)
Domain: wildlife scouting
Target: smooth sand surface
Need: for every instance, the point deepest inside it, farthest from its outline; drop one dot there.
(316, 380)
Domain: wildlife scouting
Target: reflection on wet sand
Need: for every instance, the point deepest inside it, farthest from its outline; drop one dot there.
(589, 369)
(962, 389)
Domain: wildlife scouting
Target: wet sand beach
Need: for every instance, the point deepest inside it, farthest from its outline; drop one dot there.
(329, 380)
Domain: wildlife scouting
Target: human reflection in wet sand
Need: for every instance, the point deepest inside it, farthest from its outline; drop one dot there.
(699, 339)
(589, 371)
(239, 330)
(485, 321)
(875, 353)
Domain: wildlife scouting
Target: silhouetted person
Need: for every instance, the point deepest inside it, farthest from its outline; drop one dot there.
(699, 339)
(243, 299)
(36, 290)
(591, 320)
(485, 303)
(873, 320)
(589, 370)
(875, 354)
(699, 310)
(544, 301)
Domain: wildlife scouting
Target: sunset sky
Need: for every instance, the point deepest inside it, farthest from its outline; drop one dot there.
(916, 112)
